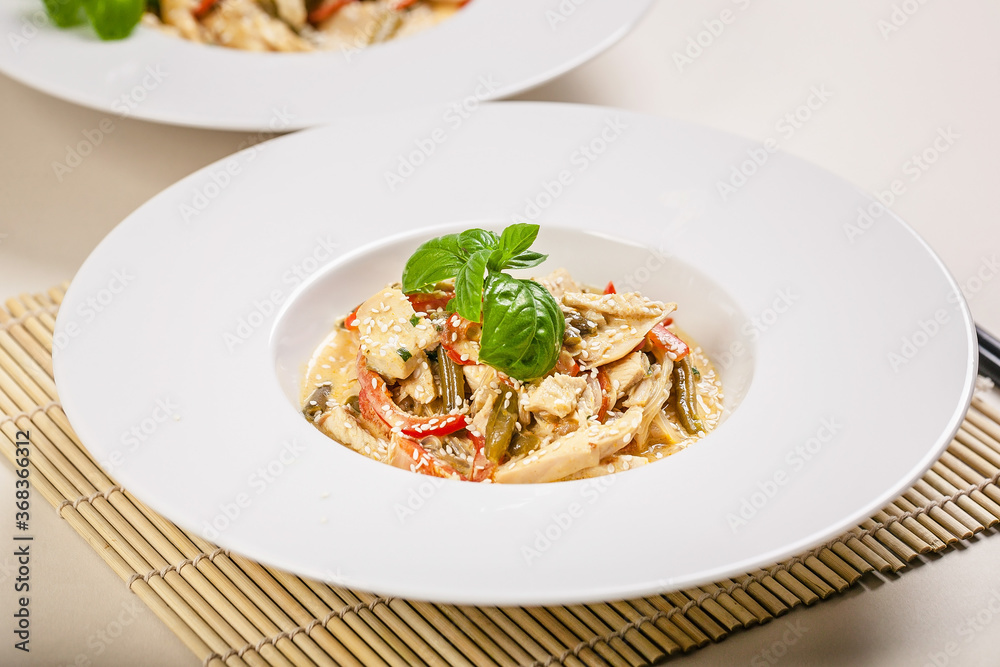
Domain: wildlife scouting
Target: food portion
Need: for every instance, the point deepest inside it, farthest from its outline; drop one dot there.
(461, 370)
(261, 25)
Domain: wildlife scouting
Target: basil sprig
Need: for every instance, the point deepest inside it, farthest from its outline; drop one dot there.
(522, 323)
(112, 19)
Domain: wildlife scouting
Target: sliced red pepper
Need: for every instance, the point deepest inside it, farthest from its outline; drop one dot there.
(665, 339)
(326, 9)
(455, 328)
(351, 321)
(610, 289)
(374, 398)
(568, 368)
(605, 382)
(403, 4)
(424, 302)
(411, 455)
(203, 8)
(482, 467)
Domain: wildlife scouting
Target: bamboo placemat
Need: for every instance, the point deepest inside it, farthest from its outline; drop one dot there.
(232, 611)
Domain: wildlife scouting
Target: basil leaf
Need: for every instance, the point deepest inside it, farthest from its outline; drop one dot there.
(65, 13)
(435, 260)
(474, 240)
(518, 237)
(526, 260)
(522, 327)
(468, 301)
(514, 240)
(114, 19)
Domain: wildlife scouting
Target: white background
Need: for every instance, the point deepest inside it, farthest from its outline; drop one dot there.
(890, 92)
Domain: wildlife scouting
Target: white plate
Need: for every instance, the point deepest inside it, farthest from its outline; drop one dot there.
(488, 50)
(182, 337)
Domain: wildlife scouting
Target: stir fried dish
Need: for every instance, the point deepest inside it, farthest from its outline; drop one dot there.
(463, 371)
(299, 25)
(261, 25)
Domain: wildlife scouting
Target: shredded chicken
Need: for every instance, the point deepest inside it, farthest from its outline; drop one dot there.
(618, 463)
(622, 320)
(292, 12)
(559, 282)
(556, 395)
(393, 338)
(180, 15)
(625, 374)
(339, 423)
(419, 385)
(572, 453)
(243, 24)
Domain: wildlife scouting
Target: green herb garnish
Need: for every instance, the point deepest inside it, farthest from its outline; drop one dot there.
(65, 13)
(404, 354)
(112, 19)
(522, 323)
(415, 320)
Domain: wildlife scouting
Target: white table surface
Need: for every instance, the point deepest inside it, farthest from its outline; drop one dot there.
(887, 94)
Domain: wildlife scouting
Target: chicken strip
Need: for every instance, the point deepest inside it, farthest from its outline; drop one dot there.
(393, 338)
(569, 454)
(622, 321)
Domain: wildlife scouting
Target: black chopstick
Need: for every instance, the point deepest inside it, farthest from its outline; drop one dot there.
(989, 355)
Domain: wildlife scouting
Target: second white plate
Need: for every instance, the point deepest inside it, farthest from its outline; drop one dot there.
(488, 50)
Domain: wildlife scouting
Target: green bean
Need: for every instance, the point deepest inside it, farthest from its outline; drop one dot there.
(686, 397)
(501, 425)
(316, 403)
(579, 322)
(570, 339)
(452, 382)
(523, 443)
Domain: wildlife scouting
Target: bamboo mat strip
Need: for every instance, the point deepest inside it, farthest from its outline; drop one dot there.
(232, 611)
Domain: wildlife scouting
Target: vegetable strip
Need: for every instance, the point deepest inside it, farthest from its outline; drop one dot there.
(686, 397)
(452, 382)
(501, 424)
